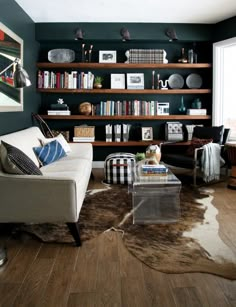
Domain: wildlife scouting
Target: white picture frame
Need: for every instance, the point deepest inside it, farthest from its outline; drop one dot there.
(135, 81)
(117, 81)
(147, 134)
(107, 56)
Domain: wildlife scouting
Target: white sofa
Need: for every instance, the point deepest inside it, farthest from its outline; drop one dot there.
(54, 197)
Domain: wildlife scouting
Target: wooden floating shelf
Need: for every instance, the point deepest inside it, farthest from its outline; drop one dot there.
(127, 117)
(123, 65)
(134, 143)
(122, 91)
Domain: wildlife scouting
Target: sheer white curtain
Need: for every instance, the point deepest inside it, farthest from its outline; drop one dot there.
(224, 85)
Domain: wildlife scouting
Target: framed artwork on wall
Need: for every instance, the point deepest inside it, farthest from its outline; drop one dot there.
(135, 81)
(117, 81)
(107, 56)
(147, 134)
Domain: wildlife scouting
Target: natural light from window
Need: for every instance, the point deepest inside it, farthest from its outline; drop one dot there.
(224, 99)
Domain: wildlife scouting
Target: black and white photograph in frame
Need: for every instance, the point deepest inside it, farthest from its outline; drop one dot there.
(107, 56)
(135, 81)
(147, 134)
(117, 81)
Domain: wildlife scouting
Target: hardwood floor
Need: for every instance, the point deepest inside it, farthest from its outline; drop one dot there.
(103, 273)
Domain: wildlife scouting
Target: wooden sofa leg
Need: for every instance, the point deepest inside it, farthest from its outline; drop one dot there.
(74, 230)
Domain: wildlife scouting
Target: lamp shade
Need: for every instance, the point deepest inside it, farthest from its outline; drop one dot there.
(21, 78)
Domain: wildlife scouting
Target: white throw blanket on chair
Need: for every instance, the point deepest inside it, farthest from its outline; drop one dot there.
(211, 161)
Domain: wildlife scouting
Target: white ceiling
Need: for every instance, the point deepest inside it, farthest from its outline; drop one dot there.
(158, 11)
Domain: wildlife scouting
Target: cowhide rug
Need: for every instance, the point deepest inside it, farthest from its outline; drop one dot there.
(192, 244)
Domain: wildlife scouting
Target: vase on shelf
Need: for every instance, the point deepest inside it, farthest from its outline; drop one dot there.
(182, 108)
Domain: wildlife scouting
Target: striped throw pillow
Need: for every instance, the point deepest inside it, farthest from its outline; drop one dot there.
(49, 153)
(15, 161)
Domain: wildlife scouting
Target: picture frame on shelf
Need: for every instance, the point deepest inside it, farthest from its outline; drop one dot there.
(117, 81)
(135, 81)
(163, 108)
(147, 134)
(107, 56)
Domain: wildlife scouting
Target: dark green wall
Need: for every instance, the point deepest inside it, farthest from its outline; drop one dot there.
(225, 29)
(13, 17)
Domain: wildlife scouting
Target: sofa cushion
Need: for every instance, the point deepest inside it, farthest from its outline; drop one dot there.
(60, 138)
(49, 153)
(215, 133)
(14, 161)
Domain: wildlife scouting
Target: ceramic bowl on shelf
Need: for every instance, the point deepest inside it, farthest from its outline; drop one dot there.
(176, 81)
(194, 81)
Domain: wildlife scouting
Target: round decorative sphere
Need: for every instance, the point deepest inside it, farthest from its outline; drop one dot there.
(85, 108)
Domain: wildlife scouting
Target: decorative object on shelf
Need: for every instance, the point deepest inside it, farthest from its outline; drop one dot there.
(174, 131)
(158, 81)
(124, 32)
(154, 152)
(90, 53)
(147, 134)
(79, 34)
(98, 82)
(176, 81)
(170, 32)
(183, 58)
(163, 108)
(135, 81)
(85, 108)
(117, 81)
(153, 79)
(107, 56)
(61, 55)
(82, 53)
(190, 56)
(164, 84)
(194, 81)
(148, 56)
(197, 104)
(182, 108)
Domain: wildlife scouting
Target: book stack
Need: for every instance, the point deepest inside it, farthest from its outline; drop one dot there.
(154, 169)
(59, 109)
(196, 111)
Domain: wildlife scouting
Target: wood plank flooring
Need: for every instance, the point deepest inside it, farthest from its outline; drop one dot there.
(103, 273)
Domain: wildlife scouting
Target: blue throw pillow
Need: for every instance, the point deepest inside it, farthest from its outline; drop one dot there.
(49, 153)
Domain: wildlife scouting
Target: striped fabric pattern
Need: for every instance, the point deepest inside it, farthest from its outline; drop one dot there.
(118, 167)
(50, 153)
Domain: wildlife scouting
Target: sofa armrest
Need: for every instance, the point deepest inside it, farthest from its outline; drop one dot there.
(37, 199)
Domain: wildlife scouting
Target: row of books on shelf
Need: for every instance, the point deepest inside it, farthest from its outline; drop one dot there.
(131, 107)
(67, 80)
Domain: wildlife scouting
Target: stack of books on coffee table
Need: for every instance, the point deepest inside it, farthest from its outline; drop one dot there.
(154, 170)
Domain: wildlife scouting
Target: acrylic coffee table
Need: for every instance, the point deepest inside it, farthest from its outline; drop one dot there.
(155, 198)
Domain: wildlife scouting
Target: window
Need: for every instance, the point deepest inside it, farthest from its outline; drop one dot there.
(224, 96)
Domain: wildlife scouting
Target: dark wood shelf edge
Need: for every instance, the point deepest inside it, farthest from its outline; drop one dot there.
(133, 143)
(124, 91)
(125, 117)
(124, 65)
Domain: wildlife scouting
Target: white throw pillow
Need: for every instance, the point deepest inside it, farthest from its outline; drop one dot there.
(60, 138)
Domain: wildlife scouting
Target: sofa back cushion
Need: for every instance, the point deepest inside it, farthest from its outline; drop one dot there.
(25, 140)
(215, 133)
